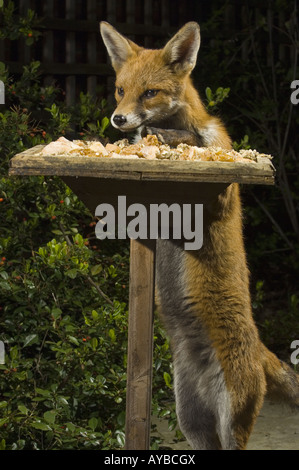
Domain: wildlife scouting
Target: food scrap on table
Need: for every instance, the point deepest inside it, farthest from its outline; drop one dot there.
(148, 148)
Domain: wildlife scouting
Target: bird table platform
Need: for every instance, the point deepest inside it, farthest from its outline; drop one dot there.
(102, 180)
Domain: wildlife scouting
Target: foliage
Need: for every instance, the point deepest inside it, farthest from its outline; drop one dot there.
(63, 293)
(214, 99)
(13, 26)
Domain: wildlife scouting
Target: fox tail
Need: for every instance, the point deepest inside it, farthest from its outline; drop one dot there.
(282, 381)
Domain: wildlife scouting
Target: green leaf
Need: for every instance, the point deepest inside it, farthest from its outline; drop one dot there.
(41, 391)
(120, 437)
(87, 321)
(30, 339)
(73, 340)
(23, 409)
(56, 313)
(62, 400)
(29, 41)
(5, 285)
(71, 427)
(94, 343)
(22, 375)
(41, 426)
(105, 123)
(14, 353)
(72, 273)
(3, 420)
(54, 387)
(50, 416)
(94, 314)
(112, 335)
(92, 423)
(96, 269)
(209, 93)
(121, 418)
(167, 379)
(164, 413)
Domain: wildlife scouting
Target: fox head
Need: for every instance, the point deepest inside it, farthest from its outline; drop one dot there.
(150, 84)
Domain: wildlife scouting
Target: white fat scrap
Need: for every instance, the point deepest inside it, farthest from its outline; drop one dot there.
(60, 146)
(98, 148)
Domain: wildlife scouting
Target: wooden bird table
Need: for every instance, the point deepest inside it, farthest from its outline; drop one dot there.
(101, 180)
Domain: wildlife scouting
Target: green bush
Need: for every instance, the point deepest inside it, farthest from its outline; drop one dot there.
(63, 293)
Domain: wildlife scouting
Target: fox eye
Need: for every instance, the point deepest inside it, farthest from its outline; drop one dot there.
(150, 93)
(120, 91)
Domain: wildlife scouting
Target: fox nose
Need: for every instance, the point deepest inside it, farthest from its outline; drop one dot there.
(119, 120)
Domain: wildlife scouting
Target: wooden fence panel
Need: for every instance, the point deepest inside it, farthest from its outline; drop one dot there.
(73, 56)
(48, 40)
(92, 47)
(70, 53)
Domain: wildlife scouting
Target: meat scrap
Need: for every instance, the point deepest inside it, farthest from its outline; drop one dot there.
(148, 148)
(59, 147)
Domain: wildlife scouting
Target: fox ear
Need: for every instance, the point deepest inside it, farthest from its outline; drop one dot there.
(181, 51)
(119, 48)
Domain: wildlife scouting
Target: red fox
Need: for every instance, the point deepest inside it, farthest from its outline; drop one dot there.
(222, 370)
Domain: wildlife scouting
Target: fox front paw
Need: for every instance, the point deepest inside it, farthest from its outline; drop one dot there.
(159, 133)
(171, 137)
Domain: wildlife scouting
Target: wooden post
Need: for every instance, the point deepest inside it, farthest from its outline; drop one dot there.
(140, 344)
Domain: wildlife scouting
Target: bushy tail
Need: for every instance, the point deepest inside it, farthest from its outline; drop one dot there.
(282, 381)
